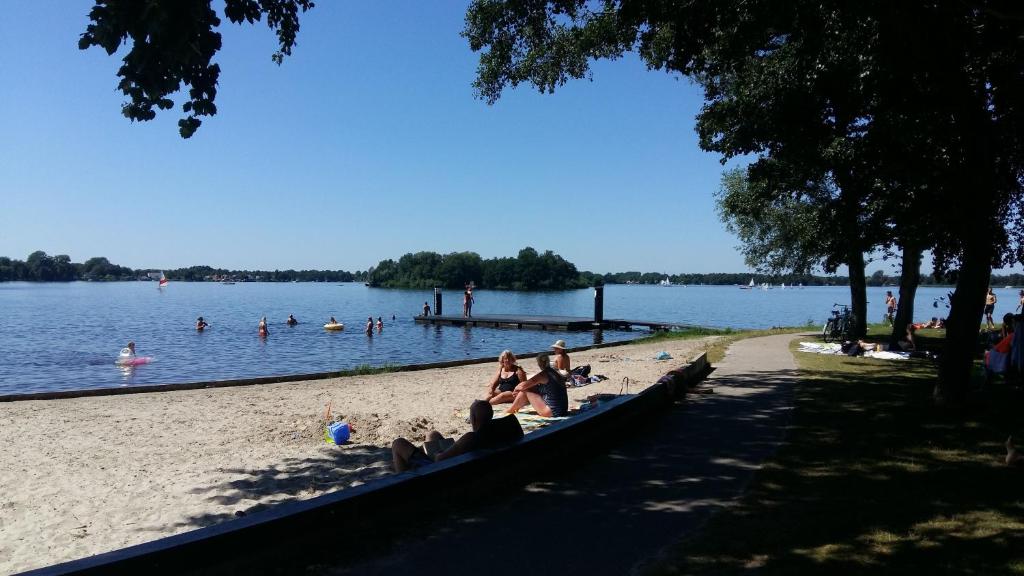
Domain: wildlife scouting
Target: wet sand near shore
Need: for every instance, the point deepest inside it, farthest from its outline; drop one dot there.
(88, 475)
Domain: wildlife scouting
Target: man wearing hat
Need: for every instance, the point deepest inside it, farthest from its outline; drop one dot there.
(561, 359)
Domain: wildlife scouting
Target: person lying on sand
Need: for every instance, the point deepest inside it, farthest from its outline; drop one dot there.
(487, 433)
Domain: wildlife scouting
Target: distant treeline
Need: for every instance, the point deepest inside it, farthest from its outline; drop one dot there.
(41, 267)
(206, 273)
(529, 270)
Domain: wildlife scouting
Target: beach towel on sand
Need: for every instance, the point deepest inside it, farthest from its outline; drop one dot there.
(528, 418)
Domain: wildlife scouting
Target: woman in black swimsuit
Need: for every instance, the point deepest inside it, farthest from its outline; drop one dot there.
(509, 375)
(545, 391)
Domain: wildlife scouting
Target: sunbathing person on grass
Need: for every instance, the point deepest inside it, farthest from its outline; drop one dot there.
(487, 433)
(545, 391)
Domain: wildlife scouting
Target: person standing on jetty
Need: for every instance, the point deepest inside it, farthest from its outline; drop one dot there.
(262, 328)
(990, 307)
(426, 309)
(201, 324)
(467, 301)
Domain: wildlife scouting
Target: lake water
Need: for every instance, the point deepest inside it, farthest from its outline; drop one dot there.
(66, 336)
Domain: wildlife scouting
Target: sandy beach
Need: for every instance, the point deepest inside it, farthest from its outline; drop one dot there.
(89, 475)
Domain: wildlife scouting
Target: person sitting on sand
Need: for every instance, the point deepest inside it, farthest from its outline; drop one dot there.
(201, 324)
(291, 321)
(487, 433)
(561, 360)
(545, 391)
(262, 328)
(509, 374)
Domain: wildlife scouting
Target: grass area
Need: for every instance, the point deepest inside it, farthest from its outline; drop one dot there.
(873, 478)
(366, 370)
(716, 350)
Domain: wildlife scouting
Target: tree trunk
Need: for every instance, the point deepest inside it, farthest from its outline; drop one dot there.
(910, 277)
(858, 291)
(964, 321)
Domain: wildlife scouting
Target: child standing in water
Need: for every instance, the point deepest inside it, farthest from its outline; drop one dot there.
(263, 327)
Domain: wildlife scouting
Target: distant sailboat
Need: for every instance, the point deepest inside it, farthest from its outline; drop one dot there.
(163, 280)
(748, 286)
(665, 282)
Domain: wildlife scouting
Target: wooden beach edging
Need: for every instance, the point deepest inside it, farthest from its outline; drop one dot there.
(62, 394)
(295, 536)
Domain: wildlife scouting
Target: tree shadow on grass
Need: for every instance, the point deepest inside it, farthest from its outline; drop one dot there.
(874, 478)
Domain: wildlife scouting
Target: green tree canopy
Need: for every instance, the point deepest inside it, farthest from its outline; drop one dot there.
(173, 43)
(915, 104)
(530, 270)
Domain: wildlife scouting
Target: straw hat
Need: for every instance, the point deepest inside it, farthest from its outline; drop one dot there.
(560, 344)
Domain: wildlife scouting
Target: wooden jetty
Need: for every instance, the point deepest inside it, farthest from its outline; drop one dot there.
(565, 323)
(568, 323)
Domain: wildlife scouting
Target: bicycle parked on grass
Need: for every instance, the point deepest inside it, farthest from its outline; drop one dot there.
(840, 325)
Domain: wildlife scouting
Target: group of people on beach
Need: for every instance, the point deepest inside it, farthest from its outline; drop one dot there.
(545, 391)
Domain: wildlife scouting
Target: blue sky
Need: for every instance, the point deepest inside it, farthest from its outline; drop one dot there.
(366, 144)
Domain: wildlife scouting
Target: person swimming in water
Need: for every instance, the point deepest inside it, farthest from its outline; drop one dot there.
(380, 325)
(263, 327)
(128, 351)
(201, 324)
(291, 321)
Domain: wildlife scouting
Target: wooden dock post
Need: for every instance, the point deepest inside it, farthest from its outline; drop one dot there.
(598, 305)
(437, 301)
